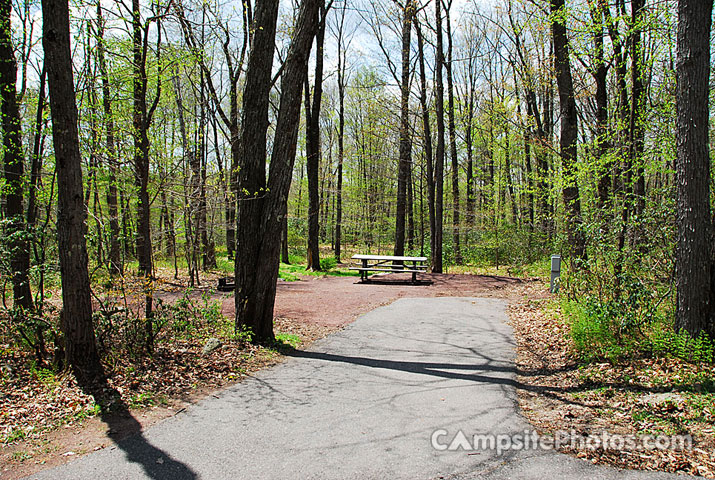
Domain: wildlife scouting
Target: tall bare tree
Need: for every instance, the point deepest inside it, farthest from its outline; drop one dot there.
(115, 260)
(142, 116)
(313, 144)
(439, 158)
(403, 169)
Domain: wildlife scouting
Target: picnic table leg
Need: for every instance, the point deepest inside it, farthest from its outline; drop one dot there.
(363, 273)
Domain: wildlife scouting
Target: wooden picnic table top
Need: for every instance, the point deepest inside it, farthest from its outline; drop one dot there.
(389, 257)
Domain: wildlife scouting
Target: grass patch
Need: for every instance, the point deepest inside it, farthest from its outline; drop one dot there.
(292, 272)
(147, 399)
(14, 435)
(284, 342)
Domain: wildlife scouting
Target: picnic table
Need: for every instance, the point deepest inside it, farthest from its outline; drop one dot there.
(389, 263)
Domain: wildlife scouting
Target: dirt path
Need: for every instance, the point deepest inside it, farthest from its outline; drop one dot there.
(335, 301)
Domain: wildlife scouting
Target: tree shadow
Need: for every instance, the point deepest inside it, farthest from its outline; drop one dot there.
(127, 434)
(476, 372)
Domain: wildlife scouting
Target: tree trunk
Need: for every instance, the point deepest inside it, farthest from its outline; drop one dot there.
(600, 75)
(141, 119)
(76, 321)
(312, 147)
(569, 133)
(13, 157)
(694, 251)
(427, 134)
(284, 241)
(341, 138)
(115, 261)
(405, 144)
(260, 209)
(469, 143)
(635, 128)
(37, 152)
(439, 158)
(453, 145)
(193, 190)
(208, 251)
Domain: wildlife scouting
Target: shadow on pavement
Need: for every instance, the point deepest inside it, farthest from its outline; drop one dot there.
(127, 434)
(469, 372)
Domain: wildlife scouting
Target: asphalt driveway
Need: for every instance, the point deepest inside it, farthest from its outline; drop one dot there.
(384, 398)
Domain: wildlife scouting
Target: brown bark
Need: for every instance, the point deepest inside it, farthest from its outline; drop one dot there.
(600, 75)
(569, 132)
(341, 137)
(261, 206)
(405, 153)
(453, 145)
(115, 261)
(312, 147)
(427, 134)
(141, 119)
(694, 252)
(14, 162)
(80, 346)
(636, 131)
(439, 157)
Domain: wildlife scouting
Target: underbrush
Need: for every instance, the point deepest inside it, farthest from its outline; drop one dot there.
(37, 395)
(627, 315)
(615, 329)
(600, 377)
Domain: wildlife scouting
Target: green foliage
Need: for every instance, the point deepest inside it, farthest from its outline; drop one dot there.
(285, 342)
(328, 263)
(14, 435)
(186, 316)
(242, 334)
(665, 342)
(146, 399)
(630, 325)
(46, 376)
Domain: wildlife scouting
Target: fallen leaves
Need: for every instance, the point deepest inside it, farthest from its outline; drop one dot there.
(656, 396)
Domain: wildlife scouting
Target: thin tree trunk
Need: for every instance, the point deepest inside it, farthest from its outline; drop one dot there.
(427, 134)
(600, 75)
(37, 153)
(405, 144)
(141, 119)
(14, 166)
(284, 241)
(453, 143)
(439, 158)
(312, 147)
(341, 139)
(115, 261)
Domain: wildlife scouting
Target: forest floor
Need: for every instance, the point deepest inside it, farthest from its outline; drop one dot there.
(46, 420)
(659, 397)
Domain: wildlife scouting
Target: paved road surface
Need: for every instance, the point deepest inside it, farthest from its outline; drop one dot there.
(360, 404)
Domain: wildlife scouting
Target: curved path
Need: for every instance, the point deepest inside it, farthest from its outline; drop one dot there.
(363, 403)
